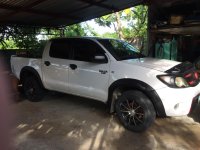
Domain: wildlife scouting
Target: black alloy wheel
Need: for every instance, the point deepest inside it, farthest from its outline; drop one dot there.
(135, 111)
(32, 89)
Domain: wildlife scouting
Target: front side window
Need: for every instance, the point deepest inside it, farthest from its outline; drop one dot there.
(85, 50)
(121, 50)
(60, 49)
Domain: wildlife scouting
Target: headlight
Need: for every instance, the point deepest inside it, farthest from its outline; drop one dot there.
(181, 82)
(172, 81)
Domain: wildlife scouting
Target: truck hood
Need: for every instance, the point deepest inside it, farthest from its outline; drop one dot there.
(153, 63)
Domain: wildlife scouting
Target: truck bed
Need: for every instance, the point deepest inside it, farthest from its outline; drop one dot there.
(18, 63)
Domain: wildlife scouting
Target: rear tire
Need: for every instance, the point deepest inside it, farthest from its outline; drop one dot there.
(32, 89)
(135, 111)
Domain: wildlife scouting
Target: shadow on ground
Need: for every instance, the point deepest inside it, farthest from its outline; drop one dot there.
(196, 113)
(67, 122)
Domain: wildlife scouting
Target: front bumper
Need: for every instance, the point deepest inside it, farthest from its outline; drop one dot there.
(178, 102)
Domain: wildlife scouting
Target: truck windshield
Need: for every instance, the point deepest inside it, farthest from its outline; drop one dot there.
(121, 50)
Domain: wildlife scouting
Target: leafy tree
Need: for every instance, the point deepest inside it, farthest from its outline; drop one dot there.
(74, 30)
(8, 44)
(110, 35)
(136, 23)
(89, 30)
(27, 38)
(20, 36)
(5, 33)
(81, 29)
(112, 20)
(24, 39)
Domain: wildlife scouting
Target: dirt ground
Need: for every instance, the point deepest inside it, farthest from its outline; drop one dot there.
(65, 122)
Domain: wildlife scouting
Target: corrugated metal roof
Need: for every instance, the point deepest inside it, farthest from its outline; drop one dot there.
(55, 13)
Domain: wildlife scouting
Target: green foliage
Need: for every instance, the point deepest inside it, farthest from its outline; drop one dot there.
(5, 33)
(108, 20)
(82, 29)
(74, 30)
(89, 31)
(136, 24)
(112, 20)
(137, 20)
(24, 40)
(110, 35)
(8, 44)
(17, 37)
(20, 38)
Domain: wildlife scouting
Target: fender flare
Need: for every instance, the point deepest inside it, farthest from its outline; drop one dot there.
(32, 72)
(141, 86)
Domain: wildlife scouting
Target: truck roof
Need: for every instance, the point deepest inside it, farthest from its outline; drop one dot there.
(79, 37)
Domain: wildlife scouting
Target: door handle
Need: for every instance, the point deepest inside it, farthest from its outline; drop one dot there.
(73, 66)
(47, 63)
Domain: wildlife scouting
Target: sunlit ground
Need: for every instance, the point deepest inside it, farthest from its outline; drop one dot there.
(72, 123)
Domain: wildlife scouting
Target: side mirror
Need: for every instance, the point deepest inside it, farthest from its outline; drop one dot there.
(100, 59)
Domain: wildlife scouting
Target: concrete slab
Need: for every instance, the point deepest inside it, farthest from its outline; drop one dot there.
(64, 122)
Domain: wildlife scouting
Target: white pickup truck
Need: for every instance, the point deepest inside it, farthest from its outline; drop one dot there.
(137, 88)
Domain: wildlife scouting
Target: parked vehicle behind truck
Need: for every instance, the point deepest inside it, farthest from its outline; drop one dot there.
(112, 71)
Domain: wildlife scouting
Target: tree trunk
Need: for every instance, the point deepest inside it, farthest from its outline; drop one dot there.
(119, 25)
(142, 44)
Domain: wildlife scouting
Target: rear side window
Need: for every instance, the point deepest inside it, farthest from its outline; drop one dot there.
(60, 49)
(84, 50)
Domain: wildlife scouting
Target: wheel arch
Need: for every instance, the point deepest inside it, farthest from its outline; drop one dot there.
(133, 84)
(30, 71)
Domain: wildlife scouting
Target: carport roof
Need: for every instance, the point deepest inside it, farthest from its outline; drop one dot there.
(57, 13)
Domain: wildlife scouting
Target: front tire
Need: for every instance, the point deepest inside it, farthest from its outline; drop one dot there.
(32, 89)
(135, 111)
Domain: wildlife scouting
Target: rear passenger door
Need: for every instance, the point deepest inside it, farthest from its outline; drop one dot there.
(56, 65)
(87, 78)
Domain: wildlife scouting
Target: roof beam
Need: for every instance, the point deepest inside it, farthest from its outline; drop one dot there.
(38, 12)
(99, 4)
(5, 17)
(35, 3)
(27, 24)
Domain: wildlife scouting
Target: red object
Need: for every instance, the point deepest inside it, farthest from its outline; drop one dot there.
(188, 75)
(196, 75)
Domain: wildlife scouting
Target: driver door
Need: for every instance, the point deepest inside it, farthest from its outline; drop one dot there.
(87, 78)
